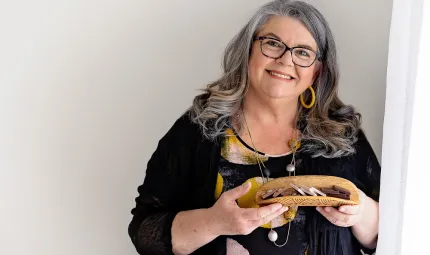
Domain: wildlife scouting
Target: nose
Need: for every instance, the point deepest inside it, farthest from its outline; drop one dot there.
(286, 58)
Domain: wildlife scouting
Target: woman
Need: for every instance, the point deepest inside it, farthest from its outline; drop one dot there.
(274, 112)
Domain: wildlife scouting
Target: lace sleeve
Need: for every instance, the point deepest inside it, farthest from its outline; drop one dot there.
(369, 169)
(368, 173)
(159, 198)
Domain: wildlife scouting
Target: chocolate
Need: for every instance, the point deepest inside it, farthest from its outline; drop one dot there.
(289, 192)
(342, 190)
(307, 190)
(342, 196)
(268, 193)
(315, 190)
(298, 189)
(302, 190)
(328, 190)
(278, 192)
(333, 193)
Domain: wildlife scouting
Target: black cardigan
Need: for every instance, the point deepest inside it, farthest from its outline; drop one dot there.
(181, 175)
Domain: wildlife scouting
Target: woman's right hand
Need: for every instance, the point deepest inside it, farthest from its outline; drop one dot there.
(229, 219)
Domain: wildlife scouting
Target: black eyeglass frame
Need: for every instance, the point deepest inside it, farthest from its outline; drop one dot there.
(261, 38)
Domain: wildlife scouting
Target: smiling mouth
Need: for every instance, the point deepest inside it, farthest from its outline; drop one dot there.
(283, 76)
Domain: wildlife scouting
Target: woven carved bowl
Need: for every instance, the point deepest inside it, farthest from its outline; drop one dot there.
(316, 181)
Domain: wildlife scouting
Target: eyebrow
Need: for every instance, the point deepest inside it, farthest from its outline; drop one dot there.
(279, 38)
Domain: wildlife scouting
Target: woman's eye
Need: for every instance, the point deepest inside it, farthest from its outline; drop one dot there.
(303, 53)
(274, 44)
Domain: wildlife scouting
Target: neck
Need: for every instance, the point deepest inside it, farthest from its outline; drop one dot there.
(281, 112)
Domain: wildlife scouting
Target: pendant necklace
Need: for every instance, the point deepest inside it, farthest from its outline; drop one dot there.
(294, 144)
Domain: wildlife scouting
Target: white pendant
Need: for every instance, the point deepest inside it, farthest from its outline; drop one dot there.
(266, 172)
(291, 168)
(273, 236)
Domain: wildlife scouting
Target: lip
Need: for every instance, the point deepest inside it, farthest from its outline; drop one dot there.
(279, 72)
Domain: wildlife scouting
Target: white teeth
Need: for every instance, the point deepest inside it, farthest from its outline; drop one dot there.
(281, 75)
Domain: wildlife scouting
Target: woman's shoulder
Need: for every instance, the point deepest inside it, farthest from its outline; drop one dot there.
(363, 153)
(362, 145)
(362, 167)
(184, 123)
(183, 130)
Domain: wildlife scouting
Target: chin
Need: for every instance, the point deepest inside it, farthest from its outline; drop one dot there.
(278, 93)
(277, 96)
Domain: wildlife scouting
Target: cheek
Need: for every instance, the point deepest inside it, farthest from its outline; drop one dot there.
(256, 65)
(306, 77)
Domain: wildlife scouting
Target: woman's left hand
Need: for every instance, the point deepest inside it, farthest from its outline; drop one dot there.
(346, 215)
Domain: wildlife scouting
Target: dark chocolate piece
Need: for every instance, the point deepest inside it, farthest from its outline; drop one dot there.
(335, 192)
(278, 192)
(342, 190)
(342, 196)
(327, 189)
(289, 192)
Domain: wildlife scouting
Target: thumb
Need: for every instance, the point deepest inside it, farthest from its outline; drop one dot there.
(238, 191)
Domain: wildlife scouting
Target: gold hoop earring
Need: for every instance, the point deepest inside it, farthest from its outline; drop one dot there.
(307, 106)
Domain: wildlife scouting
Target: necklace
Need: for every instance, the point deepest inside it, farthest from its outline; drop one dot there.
(294, 144)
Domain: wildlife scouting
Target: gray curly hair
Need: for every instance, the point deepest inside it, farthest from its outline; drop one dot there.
(329, 129)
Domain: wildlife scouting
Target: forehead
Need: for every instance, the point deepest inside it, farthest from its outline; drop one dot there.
(290, 31)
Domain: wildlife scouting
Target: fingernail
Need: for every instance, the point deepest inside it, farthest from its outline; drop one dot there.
(318, 209)
(342, 209)
(327, 209)
(284, 208)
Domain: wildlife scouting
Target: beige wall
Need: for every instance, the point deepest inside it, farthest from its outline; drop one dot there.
(87, 88)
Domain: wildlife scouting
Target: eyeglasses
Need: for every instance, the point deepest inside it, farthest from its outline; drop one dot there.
(274, 48)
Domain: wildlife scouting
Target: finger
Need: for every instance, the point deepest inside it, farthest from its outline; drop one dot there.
(335, 217)
(328, 216)
(349, 209)
(270, 217)
(361, 194)
(238, 192)
(253, 214)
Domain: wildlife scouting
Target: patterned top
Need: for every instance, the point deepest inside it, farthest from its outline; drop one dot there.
(179, 177)
(238, 164)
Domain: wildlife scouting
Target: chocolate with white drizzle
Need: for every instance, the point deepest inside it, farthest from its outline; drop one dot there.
(301, 190)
